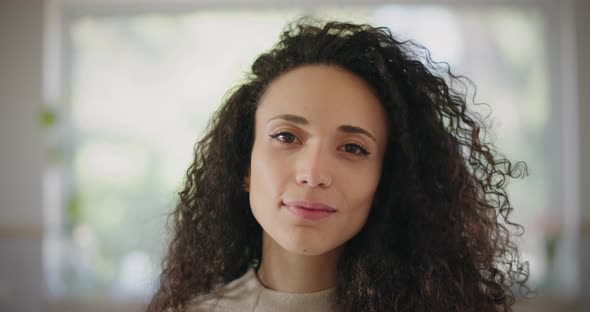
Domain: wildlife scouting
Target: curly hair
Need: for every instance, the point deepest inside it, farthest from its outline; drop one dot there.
(438, 235)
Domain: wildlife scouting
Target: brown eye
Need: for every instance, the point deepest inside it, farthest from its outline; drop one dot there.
(283, 136)
(355, 149)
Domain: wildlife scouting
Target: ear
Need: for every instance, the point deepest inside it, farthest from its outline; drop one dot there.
(246, 184)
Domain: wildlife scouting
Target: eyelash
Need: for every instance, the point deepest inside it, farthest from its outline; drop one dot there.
(360, 149)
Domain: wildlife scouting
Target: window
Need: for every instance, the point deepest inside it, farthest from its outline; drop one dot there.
(138, 88)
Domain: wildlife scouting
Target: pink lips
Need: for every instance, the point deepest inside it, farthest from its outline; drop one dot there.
(309, 210)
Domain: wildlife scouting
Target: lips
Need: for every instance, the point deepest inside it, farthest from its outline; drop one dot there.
(309, 210)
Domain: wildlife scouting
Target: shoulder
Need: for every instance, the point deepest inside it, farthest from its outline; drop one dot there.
(236, 294)
(204, 303)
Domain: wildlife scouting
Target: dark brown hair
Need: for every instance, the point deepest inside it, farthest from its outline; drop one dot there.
(437, 237)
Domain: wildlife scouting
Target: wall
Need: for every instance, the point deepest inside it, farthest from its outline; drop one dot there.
(20, 155)
(583, 85)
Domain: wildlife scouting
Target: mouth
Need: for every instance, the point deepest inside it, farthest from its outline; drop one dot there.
(309, 210)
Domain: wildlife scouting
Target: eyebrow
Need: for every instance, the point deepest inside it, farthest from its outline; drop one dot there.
(343, 128)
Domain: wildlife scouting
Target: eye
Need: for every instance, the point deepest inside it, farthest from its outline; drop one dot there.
(355, 149)
(284, 136)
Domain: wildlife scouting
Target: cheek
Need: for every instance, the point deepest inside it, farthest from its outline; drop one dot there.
(267, 178)
(264, 168)
(359, 194)
(361, 186)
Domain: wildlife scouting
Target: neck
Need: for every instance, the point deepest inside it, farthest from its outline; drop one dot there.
(284, 271)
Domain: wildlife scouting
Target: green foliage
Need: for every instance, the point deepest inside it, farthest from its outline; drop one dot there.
(73, 210)
(48, 118)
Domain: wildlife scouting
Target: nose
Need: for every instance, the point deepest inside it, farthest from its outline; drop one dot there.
(314, 167)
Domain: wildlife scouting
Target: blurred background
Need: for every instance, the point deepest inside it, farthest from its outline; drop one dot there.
(101, 103)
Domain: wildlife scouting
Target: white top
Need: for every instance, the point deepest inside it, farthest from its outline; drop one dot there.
(247, 294)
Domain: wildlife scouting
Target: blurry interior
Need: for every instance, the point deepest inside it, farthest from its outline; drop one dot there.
(101, 103)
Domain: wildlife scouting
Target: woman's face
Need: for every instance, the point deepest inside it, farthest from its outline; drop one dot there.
(320, 136)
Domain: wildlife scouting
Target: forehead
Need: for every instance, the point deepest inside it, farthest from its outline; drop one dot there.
(325, 95)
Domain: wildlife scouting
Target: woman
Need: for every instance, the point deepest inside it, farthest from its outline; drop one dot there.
(343, 175)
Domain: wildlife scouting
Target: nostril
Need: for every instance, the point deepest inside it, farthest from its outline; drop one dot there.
(314, 180)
